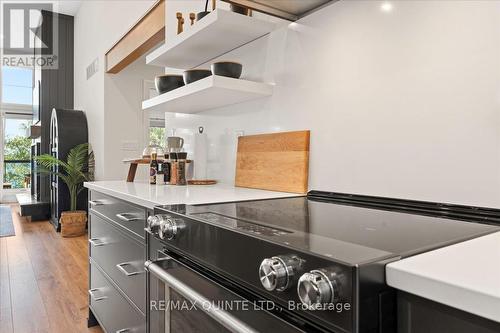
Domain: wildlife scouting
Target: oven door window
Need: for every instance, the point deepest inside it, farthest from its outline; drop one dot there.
(182, 300)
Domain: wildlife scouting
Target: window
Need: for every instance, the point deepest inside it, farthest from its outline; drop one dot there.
(17, 149)
(17, 115)
(17, 85)
(154, 121)
(157, 132)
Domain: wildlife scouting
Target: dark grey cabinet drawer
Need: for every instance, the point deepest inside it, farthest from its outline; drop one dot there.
(126, 215)
(111, 308)
(420, 315)
(121, 257)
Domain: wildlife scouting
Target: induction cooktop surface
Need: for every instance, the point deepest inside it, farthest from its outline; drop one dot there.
(349, 233)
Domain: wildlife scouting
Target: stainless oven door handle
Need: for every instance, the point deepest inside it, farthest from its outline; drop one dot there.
(122, 269)
(224, 318)
(128, 217)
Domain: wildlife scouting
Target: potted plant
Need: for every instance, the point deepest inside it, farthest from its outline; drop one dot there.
(73, 173)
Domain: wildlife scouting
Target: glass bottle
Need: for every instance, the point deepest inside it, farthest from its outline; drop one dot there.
(181, 168)
(153, 168)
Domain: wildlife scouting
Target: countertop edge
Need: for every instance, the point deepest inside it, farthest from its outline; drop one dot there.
(148, 203)
(404, 276)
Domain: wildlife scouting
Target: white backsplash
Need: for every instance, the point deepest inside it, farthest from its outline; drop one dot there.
(402, 104)
(222, 134)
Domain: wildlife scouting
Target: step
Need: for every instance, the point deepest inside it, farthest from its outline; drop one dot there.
(30, 206)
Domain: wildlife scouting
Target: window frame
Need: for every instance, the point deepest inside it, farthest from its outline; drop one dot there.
(16, 111)
(149, 117)
(21, 109)
(5, 115)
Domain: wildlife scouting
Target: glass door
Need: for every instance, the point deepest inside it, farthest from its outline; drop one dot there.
(16, 151)
(16, 115)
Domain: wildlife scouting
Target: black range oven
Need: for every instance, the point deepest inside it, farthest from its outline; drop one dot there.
(185, 298)
(302, 264)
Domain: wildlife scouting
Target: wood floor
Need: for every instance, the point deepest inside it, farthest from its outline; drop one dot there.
(43, 280)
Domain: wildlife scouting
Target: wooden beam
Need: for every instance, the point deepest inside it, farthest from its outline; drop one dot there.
(264, 8)
(148, 32)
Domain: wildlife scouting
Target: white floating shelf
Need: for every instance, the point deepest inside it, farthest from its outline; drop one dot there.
(217, 33)
(208, 93)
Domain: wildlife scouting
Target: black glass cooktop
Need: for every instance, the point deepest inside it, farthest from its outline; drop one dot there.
(344, 231)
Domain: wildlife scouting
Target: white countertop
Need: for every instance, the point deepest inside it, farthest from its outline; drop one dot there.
(464, 276)
(144, 194)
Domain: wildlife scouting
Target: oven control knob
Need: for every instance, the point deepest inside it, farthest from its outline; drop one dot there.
(169, 228)
(316, 288)
(153, 224)
(279, 273)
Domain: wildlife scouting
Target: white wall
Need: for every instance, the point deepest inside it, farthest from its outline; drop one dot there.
(112, 107)
(126, 123)
(403, 103)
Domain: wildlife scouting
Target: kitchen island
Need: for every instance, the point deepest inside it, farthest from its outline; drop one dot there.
(118, 211)
(458, 286)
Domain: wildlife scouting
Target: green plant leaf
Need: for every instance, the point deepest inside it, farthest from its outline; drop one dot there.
(70, 172)
(78, 157)
(49, 161)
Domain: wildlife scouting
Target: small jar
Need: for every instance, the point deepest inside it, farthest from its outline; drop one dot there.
(173, 168)
(181, 168)
(166, 169)
(159, 174)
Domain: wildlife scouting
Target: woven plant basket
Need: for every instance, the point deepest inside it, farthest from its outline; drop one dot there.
(73, 223)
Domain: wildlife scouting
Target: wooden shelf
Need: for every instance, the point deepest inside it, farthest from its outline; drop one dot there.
(208, 93)
(217, 33)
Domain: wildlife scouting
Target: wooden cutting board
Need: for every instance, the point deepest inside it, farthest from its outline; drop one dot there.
(276, 161)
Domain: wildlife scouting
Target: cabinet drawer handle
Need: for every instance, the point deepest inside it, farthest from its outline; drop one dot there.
(91, 293)
(128, 217)
(121, 268)
(123, 330)
(96, 203)
(97, 242)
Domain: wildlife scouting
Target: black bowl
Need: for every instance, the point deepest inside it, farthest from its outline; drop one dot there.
(201, 15)
(165, 83)
(192, 75)
(227, 68)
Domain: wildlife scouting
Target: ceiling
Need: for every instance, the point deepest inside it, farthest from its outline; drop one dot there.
(288, 9)
(68, 7)
(296, 7)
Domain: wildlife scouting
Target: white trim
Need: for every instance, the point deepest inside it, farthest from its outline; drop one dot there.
(16, 108)
(147, 86)
(11, 191)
